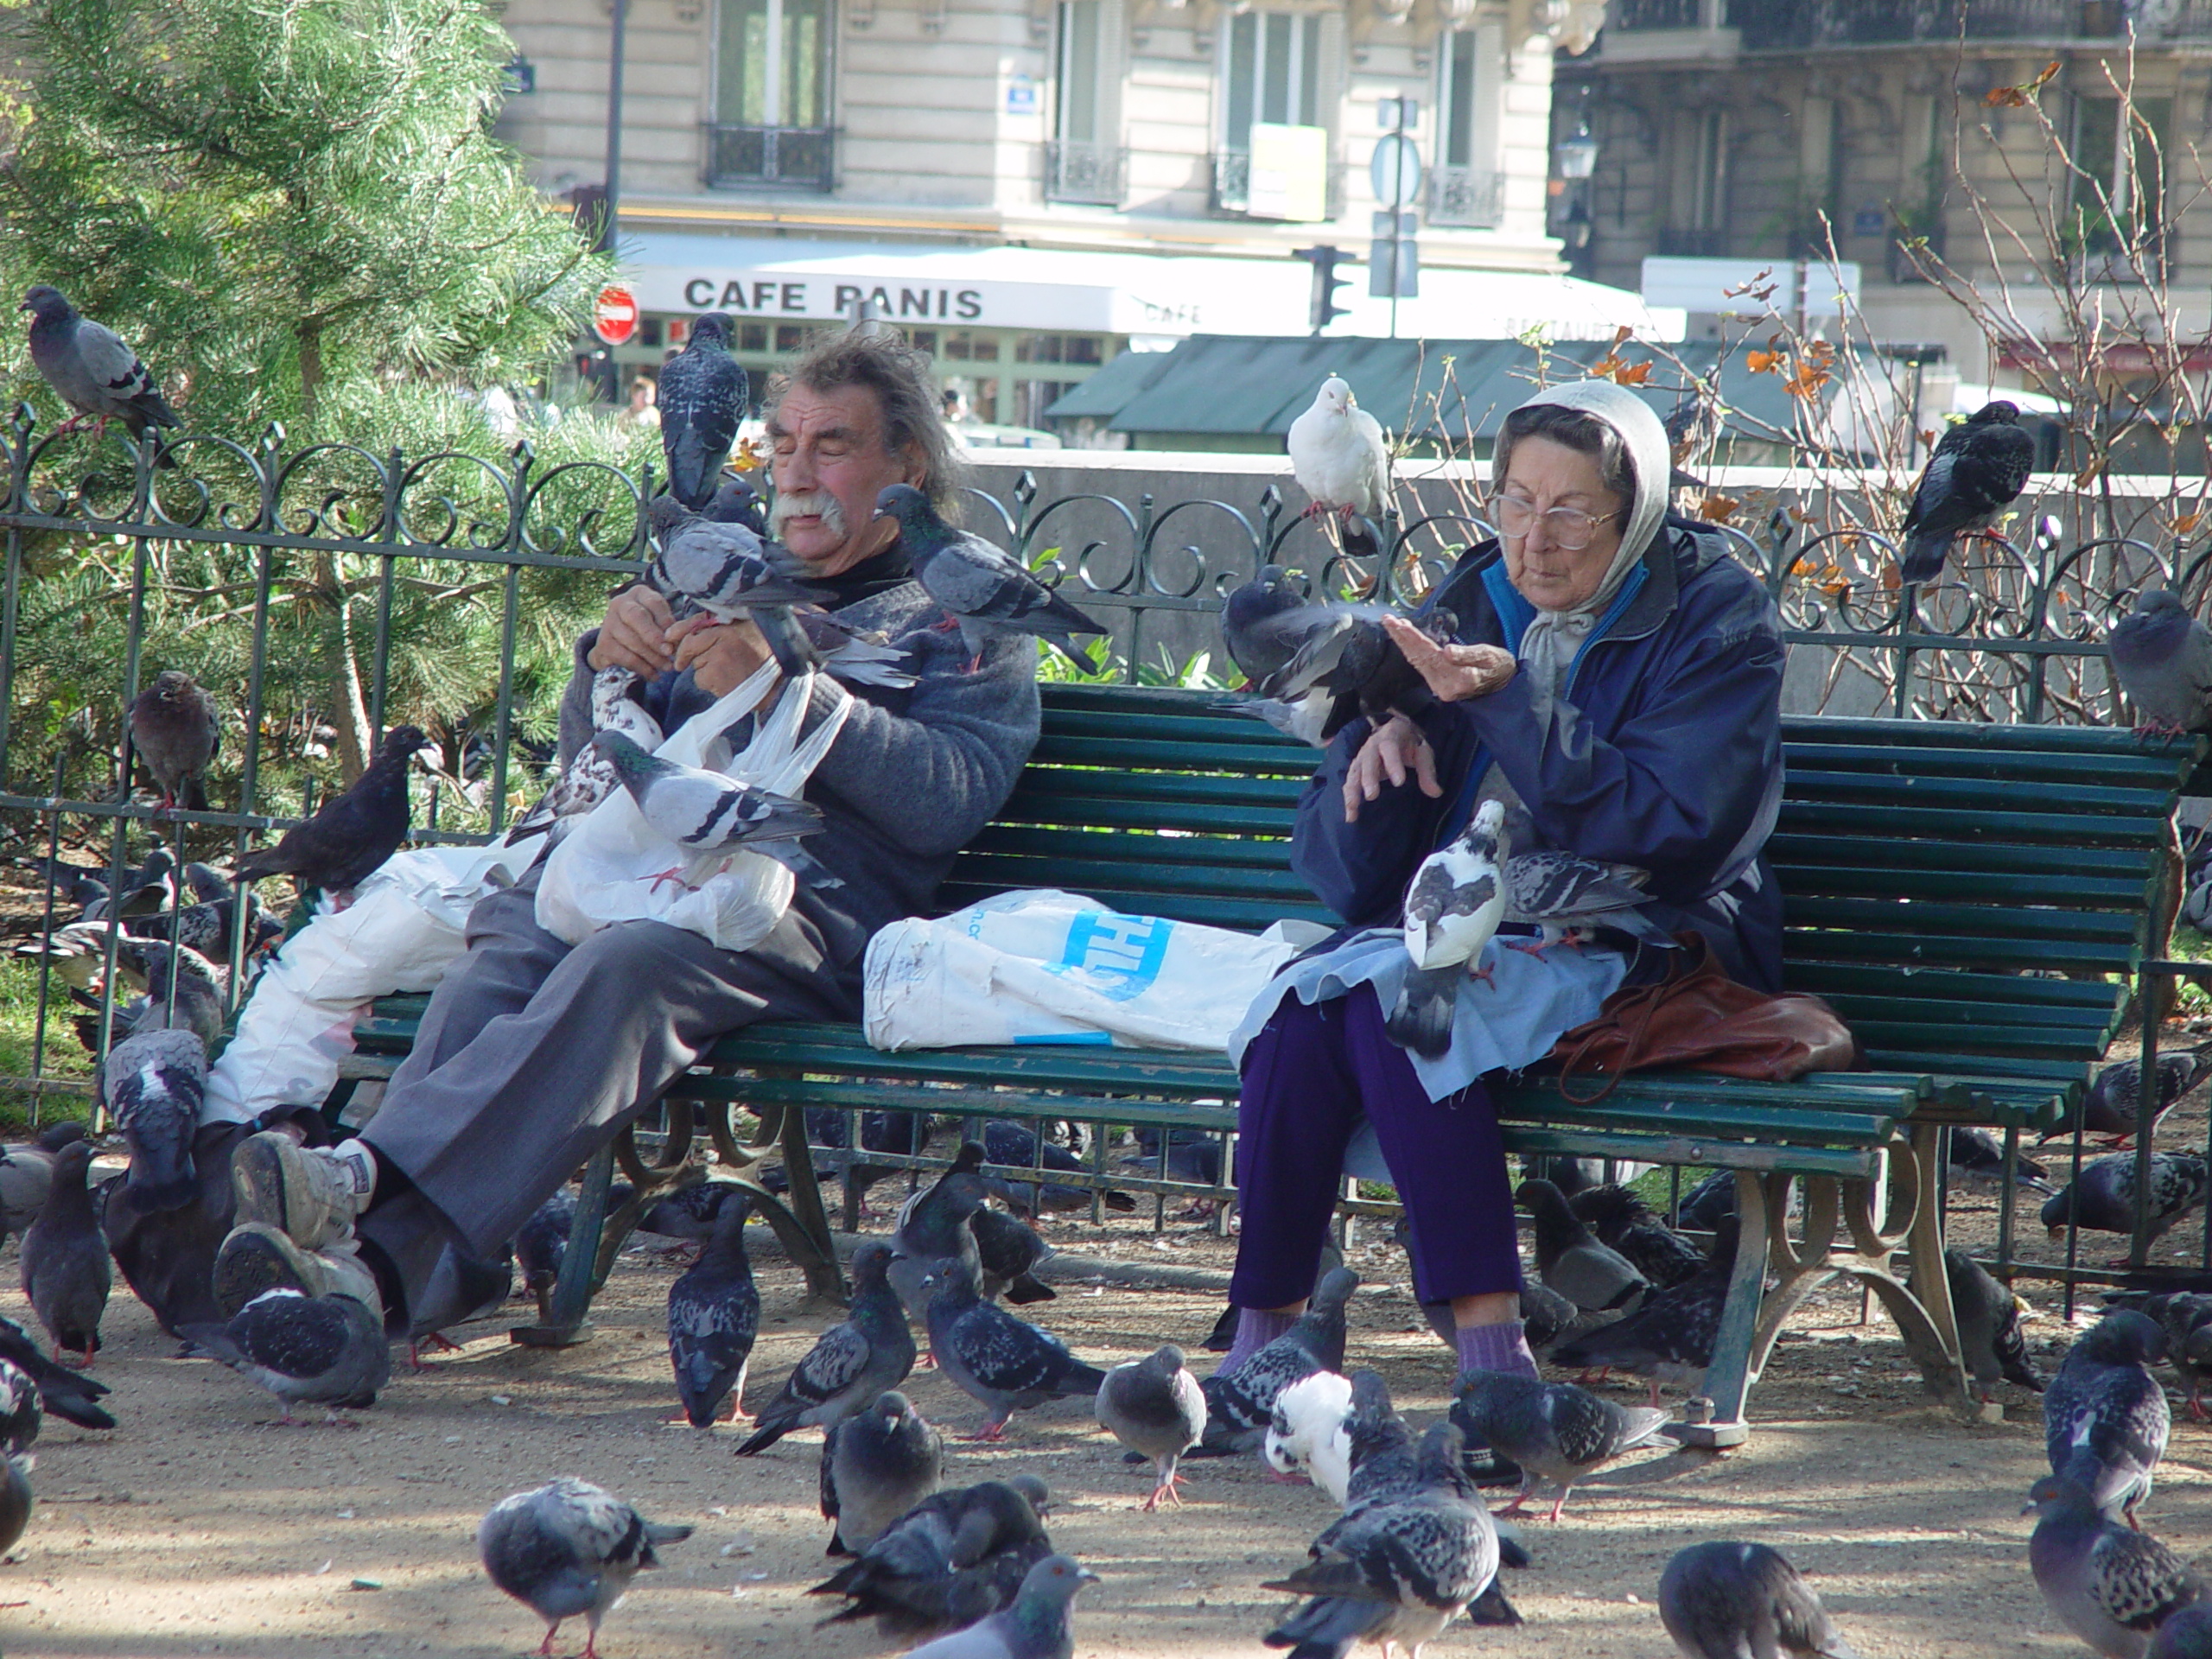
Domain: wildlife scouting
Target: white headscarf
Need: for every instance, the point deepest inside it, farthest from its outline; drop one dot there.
(1547, 648)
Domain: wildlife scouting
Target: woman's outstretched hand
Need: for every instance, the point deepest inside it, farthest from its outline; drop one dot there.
(1454, 673)
(1394, 750)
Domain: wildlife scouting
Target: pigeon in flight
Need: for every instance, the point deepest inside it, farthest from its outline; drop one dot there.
(1453, 906)
(1979, 465)
(1350, 667)
(707, 815)
(1265, 621)
(2105, 1416)
(1553, 1429)
(1035, 1627)
(317, 1350)
(952, 1560)
(1155, 1407)
(1004, 1363)
(355, 831)
(877, 1464)
(2106, 1196)
(153, 1085)
(2161, 656)
(174, 729)
(983, 587)
(1339, 457)
(65, 1260)
(568, 1548)
(91, 370)
(1722, 1600)
(703, 397)
(850, 1365)
(714, 1313)
(2110, 1584)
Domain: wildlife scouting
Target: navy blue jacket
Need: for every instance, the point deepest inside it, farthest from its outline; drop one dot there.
(1665, 751)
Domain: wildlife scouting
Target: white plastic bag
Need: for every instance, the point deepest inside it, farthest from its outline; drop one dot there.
(401, 933)
(602, 871)
(1053, 967)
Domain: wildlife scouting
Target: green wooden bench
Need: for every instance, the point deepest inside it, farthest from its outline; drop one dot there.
(1971, 898)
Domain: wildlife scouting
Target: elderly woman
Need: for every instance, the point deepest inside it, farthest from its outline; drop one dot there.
(1617, 683)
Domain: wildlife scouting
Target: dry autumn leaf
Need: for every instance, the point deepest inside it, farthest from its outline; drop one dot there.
(1632, 374)
(2183, 523)
(1802, 568)
(2019, 98)
(1760, 362)
(1718, 509)
(1890, 578)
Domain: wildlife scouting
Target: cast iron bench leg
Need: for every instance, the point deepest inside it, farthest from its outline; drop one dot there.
(1728, 1379)
(579, 1262)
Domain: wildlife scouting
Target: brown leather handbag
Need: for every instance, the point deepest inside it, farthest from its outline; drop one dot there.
(1699, 1019)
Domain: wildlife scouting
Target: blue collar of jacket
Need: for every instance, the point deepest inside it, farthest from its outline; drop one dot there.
(1515, 613)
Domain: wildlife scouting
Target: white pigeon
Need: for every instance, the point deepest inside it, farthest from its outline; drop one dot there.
(1337, 453)
(1310, 1435)
(1453, 905)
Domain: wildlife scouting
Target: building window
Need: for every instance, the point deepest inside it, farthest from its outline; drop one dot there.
(1058, 349)
(1271, 72)
(1084, 160)
(2121, 203)
(1708, 202)
(1464, 187)
(771, 94)
(1075, 106)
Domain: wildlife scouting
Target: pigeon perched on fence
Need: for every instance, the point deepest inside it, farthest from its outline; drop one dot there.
(1979, 465)
(568, 1548)
(877, 1464)
(850, 1365)
(1569, 1259)
(1988, 1316)
(1155, 1407)
(65, 1260)
(1453, 905)
(1003, 1362)
(2108, 1106)
(19, 1408)
(315, 1351)
(174, 730)
(983, 587)
(1552, 1429)
(714, 1313)
(1339, 457)
(68, 1395)
(2105, 1416)
(2106, 1196)
(92, 369)
(702, 397)
(1669, 1336)
(2161, 656)
(2109, 1584)
(708, 815)
(2185, 1318)
(1724, 1600)
(1623, 1222)
(16, 1499)
(153, 1085)
(950, 1562)
(355, 831)
(1034, 1627)
(1240, 1403)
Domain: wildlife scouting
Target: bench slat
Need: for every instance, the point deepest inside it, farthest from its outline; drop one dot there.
(1916, 789)
(1950, 823)
(1817, 843)
(2025, 924)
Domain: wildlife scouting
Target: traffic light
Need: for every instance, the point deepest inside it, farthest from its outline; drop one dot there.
(1323, 309)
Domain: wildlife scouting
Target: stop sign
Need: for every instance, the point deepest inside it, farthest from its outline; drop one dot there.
(614, 316)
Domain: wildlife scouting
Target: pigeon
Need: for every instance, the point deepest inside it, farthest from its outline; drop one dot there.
(930, 1227)
(2185, 1635)
(27, 1173)
(1398, 1571)
(1311, 1433)
(92, 369)
(1623, 1222)
(1975, 1154)
(1008, 1252)
(2106, 1193)
(153, 1085)
(1571, 1260)
(1568, 897)
(708, 815)
(703, 398)
(1005, 1363)
(877, 1464)
(1727, 1600)
(19, 1408)
(159, 968)
(2185, 1318)
(906, 1133)
(1265, 620)
(566, 1548)
(543, 1241)
(1035, 1627)
(1339, 458)
(952, 1560)
(1350, 667)
(690, 1212)
(737, 502)
(1453, 905)
(1703, 1205)
(1155, 1407)
(2108, 1106)
(68, 1395)
(1553, 1429)
(713, 1312)
(850, 1363)
(1979, 465)
(64, 1261)
(1018, 1148)
(317, 1350)
(1988, 1316)
(2161, 656)
(588, 777)
(725, 573)
(2110, 1584)
(1669, 1336)
(355, 831)
(2106, 1409)
(1693, 427)
(173, 730)
(15, 1497)
(983, 587)
(1240, 1403)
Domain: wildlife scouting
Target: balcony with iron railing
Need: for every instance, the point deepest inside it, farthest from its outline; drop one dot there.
(1076, 171)
(772, 158)
(1473, 198)
(1796, 25)
(1232, 184)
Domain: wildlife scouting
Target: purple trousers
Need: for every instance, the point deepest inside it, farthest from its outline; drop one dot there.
(1308, 1076)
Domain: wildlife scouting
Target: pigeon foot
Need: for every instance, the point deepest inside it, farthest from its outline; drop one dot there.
(672, 874)
(1163, 1493)
(989, 1432)
(545, 1647)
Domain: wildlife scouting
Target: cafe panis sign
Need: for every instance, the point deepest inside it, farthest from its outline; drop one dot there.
(916, 296)
(800, 297)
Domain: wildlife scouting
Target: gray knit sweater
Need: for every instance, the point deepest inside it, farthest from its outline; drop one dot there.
(913, 776)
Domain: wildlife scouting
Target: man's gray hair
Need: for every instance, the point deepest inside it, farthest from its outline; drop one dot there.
(1577, 430)
(898, 374)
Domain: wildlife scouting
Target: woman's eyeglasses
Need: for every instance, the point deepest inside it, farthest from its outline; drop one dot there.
(1568, 529)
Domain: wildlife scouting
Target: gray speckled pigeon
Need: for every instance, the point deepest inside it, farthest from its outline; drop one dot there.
(1385, 1463)
(2107, 1193)
(1453, 905)
(568, 1548)
(2109, 1584)
(19, 1408)
(877, 1464)
(702, 398)
(64, 1261)
(1670, 1338)
(2105, 1407)
(316, 1351)
(196, 1006)
(2185, 1635)
(707, 815)
(1035, 1627)
(91, 369)
(951, 1560)
(153, 1085)
(16, 1499)
(725, 573)
(849, 1364)
(982, 587)
(714, 1314)
(930, 1225)
(1743, 1601)
(1569, 897)
(1006, 1364)
(1156, 1408)
(174, 730)
(1240, 1404)
(1624, 1223)
(1552, 1429)
(1570, 1260)
(2185, 1317)
(2161, 656)
(1989, 1317)
(2107, 1106)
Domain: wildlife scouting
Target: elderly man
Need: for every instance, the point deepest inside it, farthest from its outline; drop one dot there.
(533, 1054)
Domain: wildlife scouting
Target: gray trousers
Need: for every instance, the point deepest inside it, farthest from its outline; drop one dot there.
(533, 1054)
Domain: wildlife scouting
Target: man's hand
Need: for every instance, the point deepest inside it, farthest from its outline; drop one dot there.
(635, 634)
(1454, 673)
(1393, 750)
(721, 658)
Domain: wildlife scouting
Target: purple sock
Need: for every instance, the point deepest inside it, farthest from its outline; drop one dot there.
(1255, 1331)
(1501, 1347)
